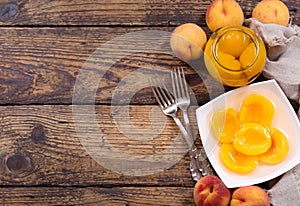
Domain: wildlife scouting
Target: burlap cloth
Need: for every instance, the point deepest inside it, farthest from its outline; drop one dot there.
(283, 65)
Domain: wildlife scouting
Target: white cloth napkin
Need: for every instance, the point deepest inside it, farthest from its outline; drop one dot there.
(283, 65)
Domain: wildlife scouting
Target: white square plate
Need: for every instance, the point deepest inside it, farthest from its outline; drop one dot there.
(285, 119)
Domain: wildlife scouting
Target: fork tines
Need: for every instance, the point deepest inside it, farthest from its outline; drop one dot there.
(181, 89)
(161, 93)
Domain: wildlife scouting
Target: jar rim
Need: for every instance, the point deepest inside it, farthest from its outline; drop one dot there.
(222, 31)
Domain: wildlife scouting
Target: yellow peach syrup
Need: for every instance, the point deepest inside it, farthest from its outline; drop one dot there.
(235, 55)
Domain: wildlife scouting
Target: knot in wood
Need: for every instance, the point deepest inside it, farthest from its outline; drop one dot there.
(38, 133)
(8, 10)
(18, 163)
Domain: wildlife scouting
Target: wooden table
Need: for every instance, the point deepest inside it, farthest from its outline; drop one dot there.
(44, 45)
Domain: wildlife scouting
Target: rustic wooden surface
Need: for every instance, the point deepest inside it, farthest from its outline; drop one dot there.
(43, 46)
(117, 13)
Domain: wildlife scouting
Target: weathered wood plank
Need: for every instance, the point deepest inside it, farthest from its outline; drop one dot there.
(41, 146)
(40, 65)
(120, 12)
(97, 196)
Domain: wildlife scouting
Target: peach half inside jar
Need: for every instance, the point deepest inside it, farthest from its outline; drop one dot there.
(235, 55)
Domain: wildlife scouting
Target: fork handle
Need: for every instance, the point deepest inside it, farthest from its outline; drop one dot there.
(187, 124)
(199, 165)
(199, 160)
(184, 132)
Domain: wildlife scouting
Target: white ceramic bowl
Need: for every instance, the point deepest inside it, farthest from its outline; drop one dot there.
(285, 119)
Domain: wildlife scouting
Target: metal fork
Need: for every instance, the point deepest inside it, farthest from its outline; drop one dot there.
(168, 104)
(169, 107)
(199, 165)
(181, 93)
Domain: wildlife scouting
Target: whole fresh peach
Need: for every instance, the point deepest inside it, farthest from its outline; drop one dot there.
(224, 13)
(249, 196)
(271, 12)
(188, 41)
(211, 191)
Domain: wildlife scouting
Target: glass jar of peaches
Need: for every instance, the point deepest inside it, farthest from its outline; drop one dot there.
(235, 55)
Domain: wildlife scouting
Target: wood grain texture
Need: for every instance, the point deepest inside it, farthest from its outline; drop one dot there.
(44, 46)
(40, 146)
(120, 12)
(97, 196)
(40, 65)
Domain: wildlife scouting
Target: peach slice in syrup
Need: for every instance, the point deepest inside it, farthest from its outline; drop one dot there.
(234, 43)
(257, 109)
(236, 161)
(252, 139)
(278, 150)
(225, 123)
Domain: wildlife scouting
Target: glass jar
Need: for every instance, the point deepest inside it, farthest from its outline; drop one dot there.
(235, 55)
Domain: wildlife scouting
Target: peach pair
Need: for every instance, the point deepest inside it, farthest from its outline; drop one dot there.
(211, 191)
(229, 13)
